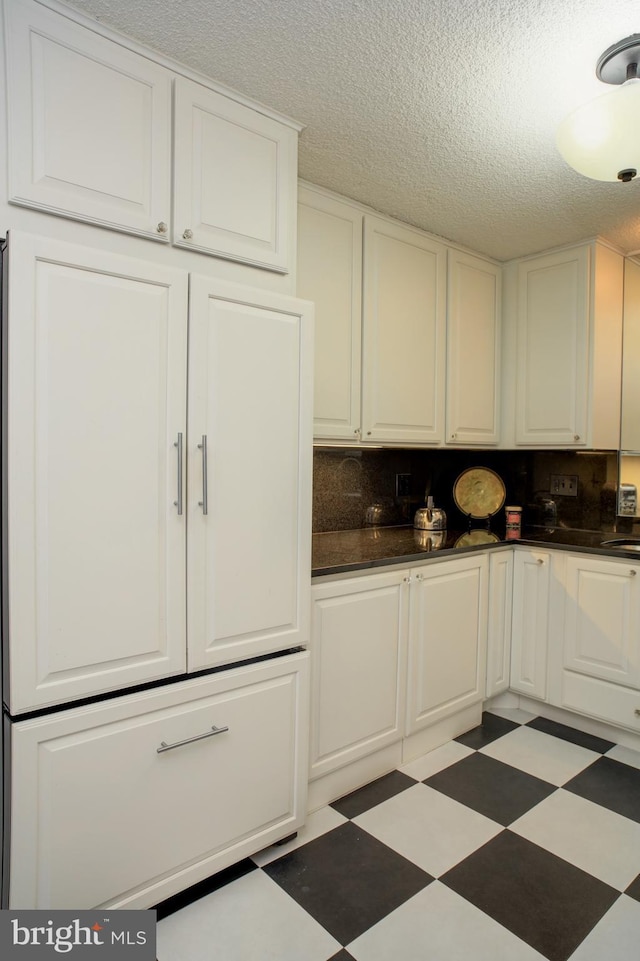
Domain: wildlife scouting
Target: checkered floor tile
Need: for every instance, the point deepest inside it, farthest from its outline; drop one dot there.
(518, 840)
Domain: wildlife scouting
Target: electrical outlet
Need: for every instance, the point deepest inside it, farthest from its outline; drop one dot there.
(566, 485)
(403, 485)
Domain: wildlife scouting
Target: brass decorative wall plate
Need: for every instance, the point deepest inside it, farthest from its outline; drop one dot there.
(479, 492)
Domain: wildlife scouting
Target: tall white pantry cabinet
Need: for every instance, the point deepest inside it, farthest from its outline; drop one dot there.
(157, 444)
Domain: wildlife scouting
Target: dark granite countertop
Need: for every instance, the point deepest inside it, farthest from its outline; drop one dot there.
(338, 552)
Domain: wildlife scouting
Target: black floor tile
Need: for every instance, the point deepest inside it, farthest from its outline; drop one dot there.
(347, 880)
(634, 889)
(610, 783)
(342, 956)
(542, 899)
(497, 790)
(493, 726)
(351, 805)
(570, 734)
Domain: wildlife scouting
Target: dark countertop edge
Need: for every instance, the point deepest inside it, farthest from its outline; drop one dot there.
(425, 557)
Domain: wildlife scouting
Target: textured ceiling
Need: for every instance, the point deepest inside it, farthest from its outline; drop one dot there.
(439, 112)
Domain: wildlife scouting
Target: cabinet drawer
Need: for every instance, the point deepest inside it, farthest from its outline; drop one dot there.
(102, 817)
(602, 699)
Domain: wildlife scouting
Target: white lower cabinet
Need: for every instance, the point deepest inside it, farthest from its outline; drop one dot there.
(448, 633)
(125, 802)
(393, 653)
(600, 670)
(530, 622)
(499, 630)
(358, 664)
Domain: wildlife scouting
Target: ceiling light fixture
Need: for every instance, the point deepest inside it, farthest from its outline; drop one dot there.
(601, 139)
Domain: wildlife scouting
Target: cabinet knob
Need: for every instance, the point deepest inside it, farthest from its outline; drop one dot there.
(540, 561)
(576, 436)
(187, 234)
(162, 227)
(368, 433)
(637, 712)
(357, 432)
(632, 573)
(453, 436)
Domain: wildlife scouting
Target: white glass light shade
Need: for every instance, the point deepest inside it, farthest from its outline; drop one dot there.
(602, 137)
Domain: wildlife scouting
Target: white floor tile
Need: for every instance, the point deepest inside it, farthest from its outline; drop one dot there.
(616, 937)
(437, 760)
(438, 925)
(593, 838)
(428, 828)
(515, 714)
(625, 755)
(251, 919)
(321, 821)
(549, 758)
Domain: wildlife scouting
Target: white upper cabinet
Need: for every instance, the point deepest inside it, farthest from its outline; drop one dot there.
(89, 124)
(235, 179)
(96, 386)
(403, 354)
(568, 350)
(249, 469)
(473, 350)
(92, 128)
(329, 272)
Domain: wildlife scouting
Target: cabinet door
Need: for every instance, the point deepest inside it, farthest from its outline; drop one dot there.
(602, 619)
(447, 639)
(630, 425)
(473, 350)
(96, 390)
(249, 468)
(552, 349)
(403, 335)
(358, 668)
(530, 625)
(89, 124)
(499, 634)
(119, 822)
(235, 179)
(329, 273)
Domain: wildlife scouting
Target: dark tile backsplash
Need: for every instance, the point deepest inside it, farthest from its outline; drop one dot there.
(348, 482)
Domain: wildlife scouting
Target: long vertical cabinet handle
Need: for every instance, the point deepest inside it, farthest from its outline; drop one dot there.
(204, 503)
(178, 503)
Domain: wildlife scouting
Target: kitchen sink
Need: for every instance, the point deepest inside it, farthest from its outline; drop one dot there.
(623, 543)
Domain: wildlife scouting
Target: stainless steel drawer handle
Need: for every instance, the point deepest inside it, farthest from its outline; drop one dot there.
(178, 445)
(189, 740)
(204, 502)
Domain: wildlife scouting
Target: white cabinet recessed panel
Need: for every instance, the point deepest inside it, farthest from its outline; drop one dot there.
(530, 624)
(249, 380)
(447, 639)
(473, 350)
(553, 349)
(96, 385)
(602, 615)
(499, 633)
(89, 124)
(235, 179)
(403, 335)
(358, 658)
(329, 273)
